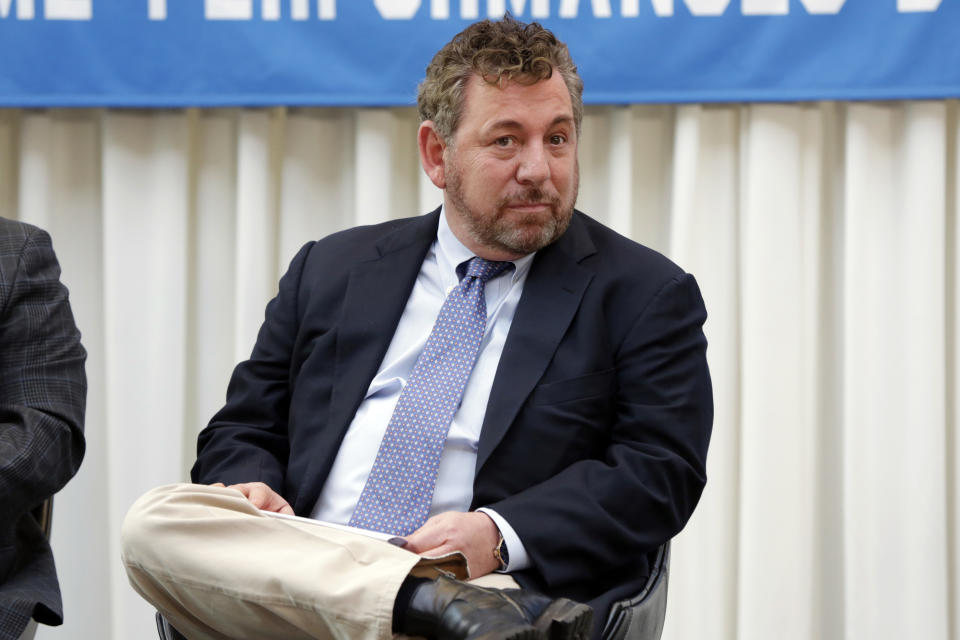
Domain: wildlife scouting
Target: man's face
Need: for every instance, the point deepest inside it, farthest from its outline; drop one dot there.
(511, 168)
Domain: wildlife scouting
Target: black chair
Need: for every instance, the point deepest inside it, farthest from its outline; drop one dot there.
(44, 515)
(166, 630)
(638, 618)
(641, 617)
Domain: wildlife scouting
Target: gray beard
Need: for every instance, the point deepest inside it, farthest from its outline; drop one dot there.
(497, 232)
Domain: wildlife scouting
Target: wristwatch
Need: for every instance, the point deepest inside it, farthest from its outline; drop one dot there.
(501, 554)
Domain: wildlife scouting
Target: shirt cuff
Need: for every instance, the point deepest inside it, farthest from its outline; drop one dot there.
(518, 554)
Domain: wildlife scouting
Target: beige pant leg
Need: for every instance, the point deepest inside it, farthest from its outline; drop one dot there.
(496, 581)
(220, 570)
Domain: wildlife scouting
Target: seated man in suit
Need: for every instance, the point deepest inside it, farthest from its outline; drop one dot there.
(42, 399)
(503, 378)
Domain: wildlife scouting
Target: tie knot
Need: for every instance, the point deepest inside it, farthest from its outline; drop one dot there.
(486, 269)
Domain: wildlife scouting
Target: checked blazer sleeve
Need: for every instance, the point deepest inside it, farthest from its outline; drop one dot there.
(42, 402)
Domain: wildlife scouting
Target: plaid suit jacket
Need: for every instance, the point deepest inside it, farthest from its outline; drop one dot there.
(42, 399)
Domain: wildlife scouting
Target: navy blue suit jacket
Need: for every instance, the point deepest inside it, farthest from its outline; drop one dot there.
(594, 442)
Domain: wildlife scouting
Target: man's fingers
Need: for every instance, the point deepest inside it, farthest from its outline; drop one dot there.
(428, 536)
(275, 502)
(261, 496)
(435, 552)
(417, 543)
(284, 508)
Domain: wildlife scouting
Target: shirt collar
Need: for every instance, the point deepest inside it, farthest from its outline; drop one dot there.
(452, 252)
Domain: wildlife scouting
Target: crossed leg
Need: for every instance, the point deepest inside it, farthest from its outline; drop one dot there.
(218, 569)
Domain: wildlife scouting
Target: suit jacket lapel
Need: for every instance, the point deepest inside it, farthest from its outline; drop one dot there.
(376, 295)
(551, 296)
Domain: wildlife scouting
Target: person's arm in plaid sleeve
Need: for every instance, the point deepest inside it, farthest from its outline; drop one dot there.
(42, 381)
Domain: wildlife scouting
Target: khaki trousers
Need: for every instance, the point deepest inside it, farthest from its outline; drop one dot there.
(218, 569)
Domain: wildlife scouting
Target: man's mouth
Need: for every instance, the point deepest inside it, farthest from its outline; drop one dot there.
(528, 205)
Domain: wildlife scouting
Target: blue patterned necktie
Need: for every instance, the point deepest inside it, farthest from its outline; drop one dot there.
(399, 490)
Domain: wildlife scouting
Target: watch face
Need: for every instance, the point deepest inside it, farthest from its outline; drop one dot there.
(502, 554)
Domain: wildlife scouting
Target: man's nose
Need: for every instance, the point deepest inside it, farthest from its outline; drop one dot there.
(534, 167)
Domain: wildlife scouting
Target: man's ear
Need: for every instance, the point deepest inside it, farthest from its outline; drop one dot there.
(432, 146)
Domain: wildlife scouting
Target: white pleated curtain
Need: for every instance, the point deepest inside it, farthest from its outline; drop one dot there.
(824, 237)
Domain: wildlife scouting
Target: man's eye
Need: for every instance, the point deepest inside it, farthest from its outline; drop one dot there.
(504, 141)
(557, 139)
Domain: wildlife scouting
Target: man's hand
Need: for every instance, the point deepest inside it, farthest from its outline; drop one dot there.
(474, 534)
(261, 496)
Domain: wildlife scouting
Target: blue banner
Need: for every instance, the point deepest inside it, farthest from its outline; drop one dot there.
(160, 53)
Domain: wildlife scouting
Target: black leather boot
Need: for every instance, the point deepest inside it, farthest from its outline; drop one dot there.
(447, 609)
(559, 619)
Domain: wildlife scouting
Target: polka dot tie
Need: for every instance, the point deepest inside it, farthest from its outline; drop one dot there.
(399, 490)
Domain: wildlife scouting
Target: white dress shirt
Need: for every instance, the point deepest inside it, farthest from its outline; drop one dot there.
(454, 489)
